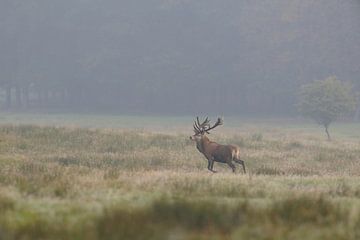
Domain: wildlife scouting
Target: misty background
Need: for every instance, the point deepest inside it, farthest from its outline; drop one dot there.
(173, 56)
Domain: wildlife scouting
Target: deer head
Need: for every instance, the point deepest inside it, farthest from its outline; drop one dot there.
(200, 129)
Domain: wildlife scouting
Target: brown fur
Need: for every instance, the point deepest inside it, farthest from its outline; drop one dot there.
(215, 152)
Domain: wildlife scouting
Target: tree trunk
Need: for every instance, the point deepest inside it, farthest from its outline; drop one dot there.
(357, 114)
(62, 96)
(26, 96)
(327, 132)
(18, 96)
(40, 98)
(8, 97)
(46, 97)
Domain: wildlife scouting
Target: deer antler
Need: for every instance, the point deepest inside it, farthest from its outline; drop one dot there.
(218, 123)
(196, 128)
(205, 126)
(200, 127)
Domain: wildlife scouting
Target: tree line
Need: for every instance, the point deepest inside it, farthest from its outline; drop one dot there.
(173, 57)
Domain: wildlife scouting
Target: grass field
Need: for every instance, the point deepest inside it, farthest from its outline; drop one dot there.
(111, 177)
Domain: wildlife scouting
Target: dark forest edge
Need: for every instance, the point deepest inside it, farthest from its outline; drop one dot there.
(246, 57)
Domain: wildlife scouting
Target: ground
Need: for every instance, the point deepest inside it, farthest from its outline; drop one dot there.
(115, 177)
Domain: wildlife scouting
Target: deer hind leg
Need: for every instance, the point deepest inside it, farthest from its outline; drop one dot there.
(231, 165)
(241, 162)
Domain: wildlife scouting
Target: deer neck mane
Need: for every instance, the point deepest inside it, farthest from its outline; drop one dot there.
(200, 145)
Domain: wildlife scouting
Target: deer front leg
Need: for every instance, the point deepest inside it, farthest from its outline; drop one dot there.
(211, 165)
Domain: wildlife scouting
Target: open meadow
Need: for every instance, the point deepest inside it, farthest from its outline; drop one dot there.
(96, 177)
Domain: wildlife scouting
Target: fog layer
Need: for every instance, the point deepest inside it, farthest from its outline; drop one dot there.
(173, 56)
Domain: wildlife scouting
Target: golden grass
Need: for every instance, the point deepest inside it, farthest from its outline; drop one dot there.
(73, 183)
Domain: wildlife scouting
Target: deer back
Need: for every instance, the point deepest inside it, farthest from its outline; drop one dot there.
(207, 147)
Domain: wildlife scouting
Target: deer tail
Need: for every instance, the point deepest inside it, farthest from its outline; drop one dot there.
(235, 153)
(236, 157)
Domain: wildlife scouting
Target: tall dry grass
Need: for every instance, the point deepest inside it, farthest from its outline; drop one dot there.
(75, 183)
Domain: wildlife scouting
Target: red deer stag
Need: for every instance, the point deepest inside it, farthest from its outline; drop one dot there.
(213, 151)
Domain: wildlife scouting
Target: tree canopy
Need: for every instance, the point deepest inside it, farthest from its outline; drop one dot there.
(326, 100)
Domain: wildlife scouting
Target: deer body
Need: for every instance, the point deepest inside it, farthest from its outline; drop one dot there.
(213, 151)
